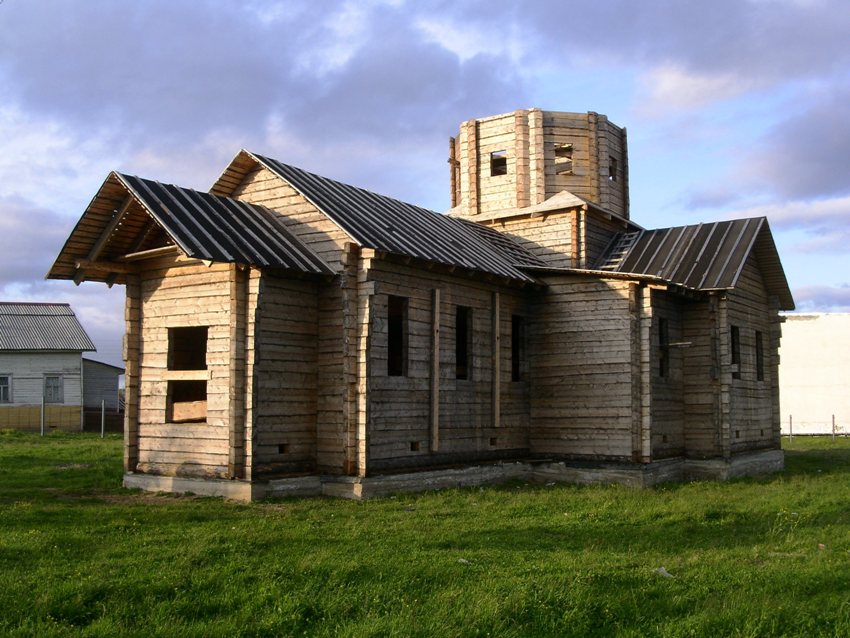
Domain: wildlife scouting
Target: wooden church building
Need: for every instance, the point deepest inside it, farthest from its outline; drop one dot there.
(290, 334)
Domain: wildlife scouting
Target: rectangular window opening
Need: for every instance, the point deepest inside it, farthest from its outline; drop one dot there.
(663, 348)
(187, 401)
(735, 351)
(613, 169)
(5, 389)
(187, 348)
(396, 336)
(282, 448)
(498, 163)
(414, 446)
(53, 391)
(517, 347)
(759, 356)
(493, 441)
(463, 341)
(563, 159)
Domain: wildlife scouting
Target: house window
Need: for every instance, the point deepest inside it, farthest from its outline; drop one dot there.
(613, 169)
(53, 389)
(498, 163)
(759, 356)
(5, 388)
(563, 159)
(186, 400)
(396, 336)
(663, 348)
(463, 341)
(735, 347)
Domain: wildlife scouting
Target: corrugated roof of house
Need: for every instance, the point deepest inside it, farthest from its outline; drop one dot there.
(702, 256)
(393, 226)
(50, 327)
(204, 226)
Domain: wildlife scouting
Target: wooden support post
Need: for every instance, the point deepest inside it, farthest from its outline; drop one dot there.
(435, 370)
(132, 354)
(236, 392)
(496, 330)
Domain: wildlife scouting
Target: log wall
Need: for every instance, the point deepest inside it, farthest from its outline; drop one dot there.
(401, 428)
(581, 369)
(179, 292)
(548, 236)
(752, 419)
(667, 399)
(700, 382)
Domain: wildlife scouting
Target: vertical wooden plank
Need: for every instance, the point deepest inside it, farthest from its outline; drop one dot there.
(237, 280)
(496, 331)
(133, 325)
(593, 176)
(435, 370)
(453, 171)
(536, 157)
(473, 160)
(521, 158)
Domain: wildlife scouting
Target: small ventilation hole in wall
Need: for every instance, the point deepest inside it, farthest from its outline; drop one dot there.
(282, 448)
(414, 446)
(737, 434)
(664, 438)
(493, 441)
(762, 432)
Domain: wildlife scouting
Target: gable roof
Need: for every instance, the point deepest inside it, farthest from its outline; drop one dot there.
(393, 226)
(702, 256)
(49, 327)
(202, 225)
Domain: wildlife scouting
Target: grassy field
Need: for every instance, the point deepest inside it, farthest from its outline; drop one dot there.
(80, 556)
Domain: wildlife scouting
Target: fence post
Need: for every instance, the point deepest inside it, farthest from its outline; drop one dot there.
(833, 427)
(102, 418)
(42, 413)
(790, 427)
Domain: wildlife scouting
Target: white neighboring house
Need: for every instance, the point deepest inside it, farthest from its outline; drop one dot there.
(814, 373)
(41, 346)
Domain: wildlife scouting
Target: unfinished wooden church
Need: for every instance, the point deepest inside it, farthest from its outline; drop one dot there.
(288, 334)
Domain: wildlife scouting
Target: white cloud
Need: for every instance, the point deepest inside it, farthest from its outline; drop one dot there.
(673, 88)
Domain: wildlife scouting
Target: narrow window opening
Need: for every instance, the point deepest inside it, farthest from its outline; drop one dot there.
(493, 441)
(735, 347)
(5, 389)
(396, 336)
(663, 348)
(564, 159)
(737, 434)
(498, 163)
(613, 169)
(463, 340)
(186, 400)
(283, 448)
(53, 391)
(759, 356)
(517, 347)
(414, 446)
(664, 438)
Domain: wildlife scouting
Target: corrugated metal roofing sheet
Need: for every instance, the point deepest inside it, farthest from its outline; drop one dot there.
(393, 226)
(216, 228)
(705, 256)
(48, 327)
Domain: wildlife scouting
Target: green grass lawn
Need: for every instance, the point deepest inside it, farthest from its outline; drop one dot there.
(81, 556)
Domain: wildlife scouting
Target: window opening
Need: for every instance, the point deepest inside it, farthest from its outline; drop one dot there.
(5, 389)
(759, 357)
(663, 348)
(396, 336)
(613, 169)
(186, 400)
(498, 163)
(564, 159)
(735, 345)
(463, 339)
(53, 389)
(517, 347)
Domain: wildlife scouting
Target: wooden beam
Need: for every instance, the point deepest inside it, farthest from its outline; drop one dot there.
(104, 237)
(104, 266)
(153, 252)
(435, 370)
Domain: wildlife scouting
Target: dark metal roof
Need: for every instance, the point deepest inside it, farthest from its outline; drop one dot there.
(222, 229)
(704, 256)
(41, 326)
(393, 226)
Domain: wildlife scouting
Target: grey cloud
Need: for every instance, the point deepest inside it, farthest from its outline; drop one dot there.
(822, 298)
(30, 239)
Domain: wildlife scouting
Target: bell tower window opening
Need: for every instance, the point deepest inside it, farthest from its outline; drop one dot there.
(498, 163)
(563, 159)
(186, 400)
(613, 169)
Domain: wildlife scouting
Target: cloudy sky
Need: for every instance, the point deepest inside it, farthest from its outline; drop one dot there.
(734, 108)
